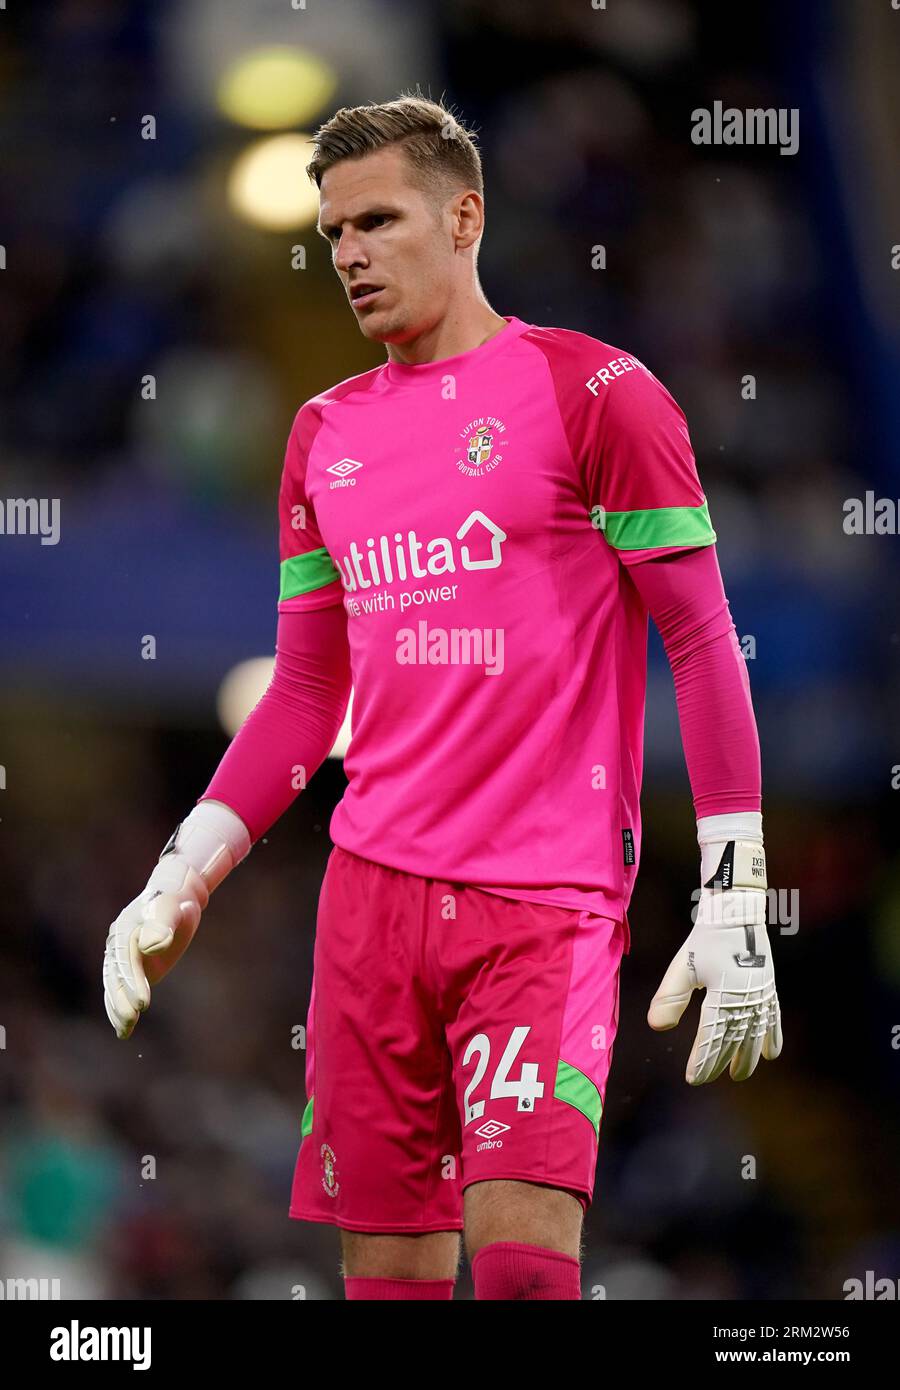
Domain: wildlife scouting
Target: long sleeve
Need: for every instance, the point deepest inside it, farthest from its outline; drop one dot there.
(685, 597)
(293, 725)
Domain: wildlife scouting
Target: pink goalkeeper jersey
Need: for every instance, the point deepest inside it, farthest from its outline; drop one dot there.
(476, 516)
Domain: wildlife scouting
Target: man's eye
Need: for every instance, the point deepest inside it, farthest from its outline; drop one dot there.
(379, 217)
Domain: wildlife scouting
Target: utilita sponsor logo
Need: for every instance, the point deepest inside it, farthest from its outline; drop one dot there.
(383, 563)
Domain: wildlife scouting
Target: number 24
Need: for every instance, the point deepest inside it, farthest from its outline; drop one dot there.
(527, 1089)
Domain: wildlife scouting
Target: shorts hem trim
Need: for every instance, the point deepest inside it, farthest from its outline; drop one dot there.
(376, 1227)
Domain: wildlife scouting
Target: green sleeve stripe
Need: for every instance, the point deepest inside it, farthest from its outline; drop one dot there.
(578, 1090)
(658, 526)
(301, 574)
(307, 1121)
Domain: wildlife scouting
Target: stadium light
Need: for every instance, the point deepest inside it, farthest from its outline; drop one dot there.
(268, 185)
(275, 87)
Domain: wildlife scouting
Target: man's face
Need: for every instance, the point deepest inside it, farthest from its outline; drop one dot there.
(386, 234)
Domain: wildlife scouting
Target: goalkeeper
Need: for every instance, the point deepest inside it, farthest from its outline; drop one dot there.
(473, 534)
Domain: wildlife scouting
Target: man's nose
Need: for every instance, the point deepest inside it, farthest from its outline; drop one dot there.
(349, 252)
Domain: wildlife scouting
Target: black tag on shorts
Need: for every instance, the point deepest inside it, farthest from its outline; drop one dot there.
(628, 845)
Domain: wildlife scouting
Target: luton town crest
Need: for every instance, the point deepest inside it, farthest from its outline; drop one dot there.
(482, 438)
(480, 445)
(329, 1170)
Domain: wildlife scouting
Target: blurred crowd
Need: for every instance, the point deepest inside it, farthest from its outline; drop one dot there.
(161, 1168)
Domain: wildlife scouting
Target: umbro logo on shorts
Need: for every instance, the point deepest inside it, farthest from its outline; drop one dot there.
(490, 1129)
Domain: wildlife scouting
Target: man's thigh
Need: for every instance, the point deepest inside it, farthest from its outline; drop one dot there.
(525, 1212)
(445, 1055)
(494, 1211)
(380, 1147)
(532, 1022)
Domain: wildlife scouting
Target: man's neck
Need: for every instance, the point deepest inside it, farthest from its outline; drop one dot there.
(453, 335)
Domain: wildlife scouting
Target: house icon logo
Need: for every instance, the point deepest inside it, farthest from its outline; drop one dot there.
(486, 534)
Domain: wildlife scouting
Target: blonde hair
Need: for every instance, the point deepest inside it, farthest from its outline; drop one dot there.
(441, 153)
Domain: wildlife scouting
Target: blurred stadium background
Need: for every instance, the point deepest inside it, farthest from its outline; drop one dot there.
(174, 258)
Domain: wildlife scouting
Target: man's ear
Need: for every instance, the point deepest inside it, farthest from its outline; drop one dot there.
(470, 218)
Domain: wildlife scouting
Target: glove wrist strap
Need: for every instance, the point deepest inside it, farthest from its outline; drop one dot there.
(731, 851)
(211, 841)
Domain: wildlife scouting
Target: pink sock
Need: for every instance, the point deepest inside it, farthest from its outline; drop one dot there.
(398, 1288)
(507, 1270)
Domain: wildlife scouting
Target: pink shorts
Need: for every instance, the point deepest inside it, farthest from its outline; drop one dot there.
(453, 1037)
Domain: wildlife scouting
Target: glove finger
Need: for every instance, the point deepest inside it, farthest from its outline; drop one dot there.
(154, 937)
(773, 1040)
(716, 1064)
(119, 1011)
(711, 1052)
(122, 968)
(136, 987)
(110, 1011)
(162, 916)
(671, 999)
(746, 1056)
(111, 986)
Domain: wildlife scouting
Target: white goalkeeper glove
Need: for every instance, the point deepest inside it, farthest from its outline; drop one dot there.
(154, 931)
(727, 954)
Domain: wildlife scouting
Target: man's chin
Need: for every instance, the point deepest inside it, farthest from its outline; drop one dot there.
(379, 327)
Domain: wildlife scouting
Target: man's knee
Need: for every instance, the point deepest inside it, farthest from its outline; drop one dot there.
(434, 1255)
(525, 1212)
(524, 1241)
